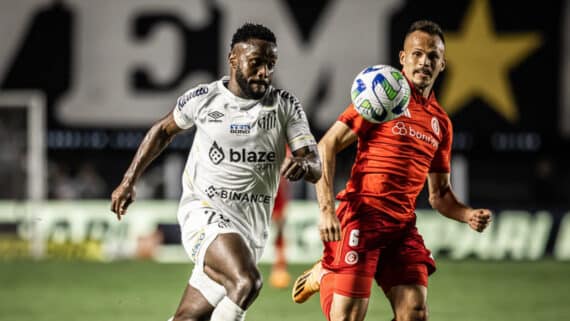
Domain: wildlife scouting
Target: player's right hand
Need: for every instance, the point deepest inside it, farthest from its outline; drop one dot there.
(479, 219)
(121, 198)
(294, 168)
(329, 227)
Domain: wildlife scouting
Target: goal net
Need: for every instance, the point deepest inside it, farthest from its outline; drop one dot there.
(22, 145)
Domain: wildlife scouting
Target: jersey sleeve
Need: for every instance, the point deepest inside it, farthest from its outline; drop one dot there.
(354, 121)
(186, 106)
(441, 162)
(298, 131)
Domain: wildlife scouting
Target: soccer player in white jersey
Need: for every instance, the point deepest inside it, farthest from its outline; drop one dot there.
(243, 125)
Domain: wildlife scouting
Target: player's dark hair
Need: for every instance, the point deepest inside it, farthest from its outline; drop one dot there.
(426, 26)
(252, 31)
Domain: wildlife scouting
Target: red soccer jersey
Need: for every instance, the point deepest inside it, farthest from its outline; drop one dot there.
(394, 158)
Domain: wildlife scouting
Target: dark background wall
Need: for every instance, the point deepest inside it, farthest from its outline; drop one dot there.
(108, 69)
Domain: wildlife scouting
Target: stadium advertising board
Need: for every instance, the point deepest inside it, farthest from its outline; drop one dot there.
(89, 231)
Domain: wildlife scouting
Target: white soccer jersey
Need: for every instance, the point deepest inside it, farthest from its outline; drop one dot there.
(238, 149)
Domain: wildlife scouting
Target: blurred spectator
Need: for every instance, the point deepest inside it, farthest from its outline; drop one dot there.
(61, 184)
(13, 148)
(149, 185)
(279, 277)
(85, 184)
(90, 183)
(546, 182)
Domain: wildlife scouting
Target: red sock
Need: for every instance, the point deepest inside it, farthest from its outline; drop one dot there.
(326, 293)
(280, 259)
(279, 240)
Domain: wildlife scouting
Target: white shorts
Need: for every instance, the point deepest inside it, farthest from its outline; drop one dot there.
(200, 224)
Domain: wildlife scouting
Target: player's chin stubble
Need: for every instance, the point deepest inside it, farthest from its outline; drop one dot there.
(245, 88)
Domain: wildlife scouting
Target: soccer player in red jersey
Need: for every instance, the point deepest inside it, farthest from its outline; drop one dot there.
(372, 235)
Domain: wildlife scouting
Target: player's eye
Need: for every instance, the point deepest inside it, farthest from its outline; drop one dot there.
(434, 56)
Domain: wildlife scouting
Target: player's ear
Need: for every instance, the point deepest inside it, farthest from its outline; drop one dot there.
(443, 64)
(402, 57)
(232, 59)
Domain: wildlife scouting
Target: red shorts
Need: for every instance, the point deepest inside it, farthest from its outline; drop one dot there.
(376, 245)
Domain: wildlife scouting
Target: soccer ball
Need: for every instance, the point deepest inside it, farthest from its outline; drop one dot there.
(380, 93)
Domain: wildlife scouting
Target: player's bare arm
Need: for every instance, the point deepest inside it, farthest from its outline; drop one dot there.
(337, 138)
(154, 142)
(304, 163)
(442, 199)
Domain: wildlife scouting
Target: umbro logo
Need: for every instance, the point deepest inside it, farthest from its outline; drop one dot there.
(214, 116)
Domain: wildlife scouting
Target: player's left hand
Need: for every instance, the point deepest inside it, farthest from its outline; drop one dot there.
(294, 168)
(479, 219)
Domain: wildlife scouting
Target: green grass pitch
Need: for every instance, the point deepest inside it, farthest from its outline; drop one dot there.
(144, 291)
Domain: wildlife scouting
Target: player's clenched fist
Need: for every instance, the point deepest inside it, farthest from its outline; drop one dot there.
(121, 198)
(294, 168)
(479, 219)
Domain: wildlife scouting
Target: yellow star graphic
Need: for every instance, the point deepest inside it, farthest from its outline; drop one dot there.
(479, 61)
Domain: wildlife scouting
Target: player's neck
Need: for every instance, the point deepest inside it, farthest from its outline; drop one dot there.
(425, 92)
(235, 89)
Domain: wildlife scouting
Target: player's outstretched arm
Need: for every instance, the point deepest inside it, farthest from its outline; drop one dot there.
(337, 138)
(442, 199)
(156, 139)
(304, 163)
